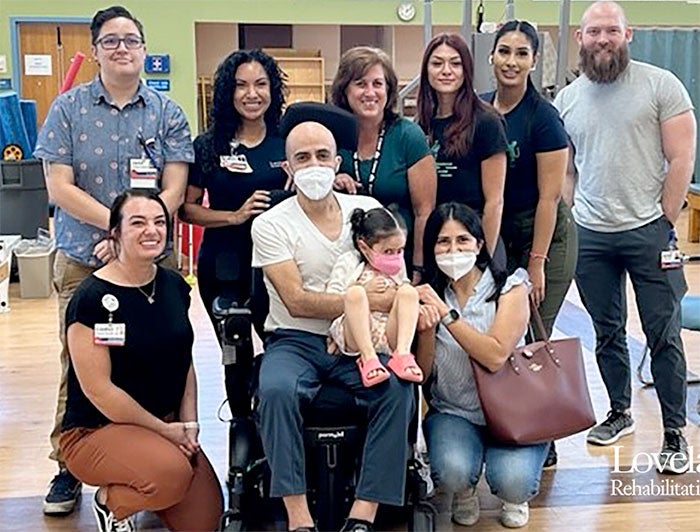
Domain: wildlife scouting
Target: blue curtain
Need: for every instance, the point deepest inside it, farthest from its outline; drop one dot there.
(677, 50)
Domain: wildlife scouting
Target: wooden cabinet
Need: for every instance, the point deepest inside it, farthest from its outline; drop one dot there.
(305, 80)
(304, 70)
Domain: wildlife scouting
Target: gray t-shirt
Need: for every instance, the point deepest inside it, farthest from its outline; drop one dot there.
(616, 132)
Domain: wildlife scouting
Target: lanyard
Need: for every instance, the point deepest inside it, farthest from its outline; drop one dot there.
(373, 166)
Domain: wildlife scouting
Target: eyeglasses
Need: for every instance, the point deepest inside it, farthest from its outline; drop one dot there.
(112, 42)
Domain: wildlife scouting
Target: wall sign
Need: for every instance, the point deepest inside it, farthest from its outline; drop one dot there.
(5, 84)
(162, 85)
(157, 64)
(37, 65)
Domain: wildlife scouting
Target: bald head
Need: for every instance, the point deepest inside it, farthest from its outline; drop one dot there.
(308, 134)
(604, 9)
(310, 144)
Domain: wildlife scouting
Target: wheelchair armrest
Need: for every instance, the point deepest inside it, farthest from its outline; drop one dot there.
(223, 307)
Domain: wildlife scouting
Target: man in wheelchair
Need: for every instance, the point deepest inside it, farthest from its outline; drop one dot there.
(296, 244)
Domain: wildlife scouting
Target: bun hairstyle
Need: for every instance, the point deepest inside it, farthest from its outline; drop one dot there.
(373, 225)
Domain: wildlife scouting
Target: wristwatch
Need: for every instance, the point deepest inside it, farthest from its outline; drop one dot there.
(451, 317)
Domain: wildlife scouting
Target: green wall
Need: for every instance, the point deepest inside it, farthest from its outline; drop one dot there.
(169, 24)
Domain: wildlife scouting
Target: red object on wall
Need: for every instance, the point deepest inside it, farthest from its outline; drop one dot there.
(197, 232)
(72, 71)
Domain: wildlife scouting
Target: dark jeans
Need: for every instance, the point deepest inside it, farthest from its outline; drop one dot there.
(604, 260)
(518, 231)
(293, 367)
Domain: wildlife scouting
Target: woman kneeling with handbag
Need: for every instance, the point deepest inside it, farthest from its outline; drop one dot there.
(471, 310)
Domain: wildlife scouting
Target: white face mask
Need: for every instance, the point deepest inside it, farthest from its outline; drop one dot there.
(456, 265)
(315, 182)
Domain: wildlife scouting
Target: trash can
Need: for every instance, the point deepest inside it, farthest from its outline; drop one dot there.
(24, 201)
(35, 261)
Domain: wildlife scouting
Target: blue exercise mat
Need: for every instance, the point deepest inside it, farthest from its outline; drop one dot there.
(28, 108)
(12, 124)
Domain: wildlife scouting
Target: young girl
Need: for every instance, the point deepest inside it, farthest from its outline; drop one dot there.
(376, 266)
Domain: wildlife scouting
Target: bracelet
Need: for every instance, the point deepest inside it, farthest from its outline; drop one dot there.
(534, 255)
(419, 269)
(191, 425)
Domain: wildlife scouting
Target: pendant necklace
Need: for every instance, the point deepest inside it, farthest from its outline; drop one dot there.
(149, 297)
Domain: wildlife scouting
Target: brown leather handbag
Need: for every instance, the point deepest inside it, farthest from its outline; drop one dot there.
(540, 394)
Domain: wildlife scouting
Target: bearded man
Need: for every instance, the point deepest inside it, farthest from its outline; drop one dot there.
(633, 133)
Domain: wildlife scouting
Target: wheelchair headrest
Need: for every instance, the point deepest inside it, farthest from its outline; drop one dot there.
(342, 124)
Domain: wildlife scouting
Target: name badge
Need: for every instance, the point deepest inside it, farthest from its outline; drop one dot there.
(111, 334)
(235, 163)
(142, 173)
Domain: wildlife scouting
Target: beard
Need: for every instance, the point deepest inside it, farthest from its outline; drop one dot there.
(605, 71)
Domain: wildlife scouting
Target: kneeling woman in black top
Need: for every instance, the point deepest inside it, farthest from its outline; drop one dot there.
(130, 425)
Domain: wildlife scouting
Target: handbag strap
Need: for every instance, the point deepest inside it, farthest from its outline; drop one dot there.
(538, 320)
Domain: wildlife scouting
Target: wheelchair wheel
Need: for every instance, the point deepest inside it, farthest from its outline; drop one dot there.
(422, 518)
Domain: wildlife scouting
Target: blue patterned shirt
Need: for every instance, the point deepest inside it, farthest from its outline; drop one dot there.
(85, 130)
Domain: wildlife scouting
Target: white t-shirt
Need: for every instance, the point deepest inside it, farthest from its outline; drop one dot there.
(616, 131)
(285, 233)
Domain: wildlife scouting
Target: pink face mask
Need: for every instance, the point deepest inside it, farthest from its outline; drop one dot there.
(386, 264)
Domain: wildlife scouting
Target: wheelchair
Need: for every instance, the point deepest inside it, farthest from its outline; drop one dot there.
(334, 436)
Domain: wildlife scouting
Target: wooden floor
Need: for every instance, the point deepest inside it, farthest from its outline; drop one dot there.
(575, 496)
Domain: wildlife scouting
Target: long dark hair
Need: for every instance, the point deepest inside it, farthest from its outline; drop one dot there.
(353, 65)
(224, 120)
(470, 220)
(459, 133)
(373, 225)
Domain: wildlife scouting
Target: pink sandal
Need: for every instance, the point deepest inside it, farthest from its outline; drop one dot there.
(405, 367)
(373, 364)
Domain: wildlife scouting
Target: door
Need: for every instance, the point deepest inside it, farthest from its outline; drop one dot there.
(51, 47)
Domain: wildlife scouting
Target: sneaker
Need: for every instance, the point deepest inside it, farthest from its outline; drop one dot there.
(673, 457)
(617, 425)
(106, 521)
(514, 515)
(63, 495)
(465, 507)
(552, 457)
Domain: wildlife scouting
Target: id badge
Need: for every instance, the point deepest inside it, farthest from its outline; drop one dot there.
(142, 173)
(110, 334)
(235, 163)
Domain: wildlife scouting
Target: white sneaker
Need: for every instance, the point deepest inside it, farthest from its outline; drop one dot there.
(515, 515)
(106, 521)
(465, 507)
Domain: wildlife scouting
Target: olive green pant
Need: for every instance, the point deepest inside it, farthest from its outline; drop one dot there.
(518, 231)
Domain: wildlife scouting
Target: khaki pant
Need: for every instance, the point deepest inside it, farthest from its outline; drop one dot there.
(67, 276)
(141, 470)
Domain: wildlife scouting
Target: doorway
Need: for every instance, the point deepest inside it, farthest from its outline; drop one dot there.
(46, 50)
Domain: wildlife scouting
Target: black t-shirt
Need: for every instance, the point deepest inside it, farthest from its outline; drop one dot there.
(459, 179)
(152, 366)
(225, 252)
(533, 126)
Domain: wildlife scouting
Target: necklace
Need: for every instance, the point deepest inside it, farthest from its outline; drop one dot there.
(149, 297)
